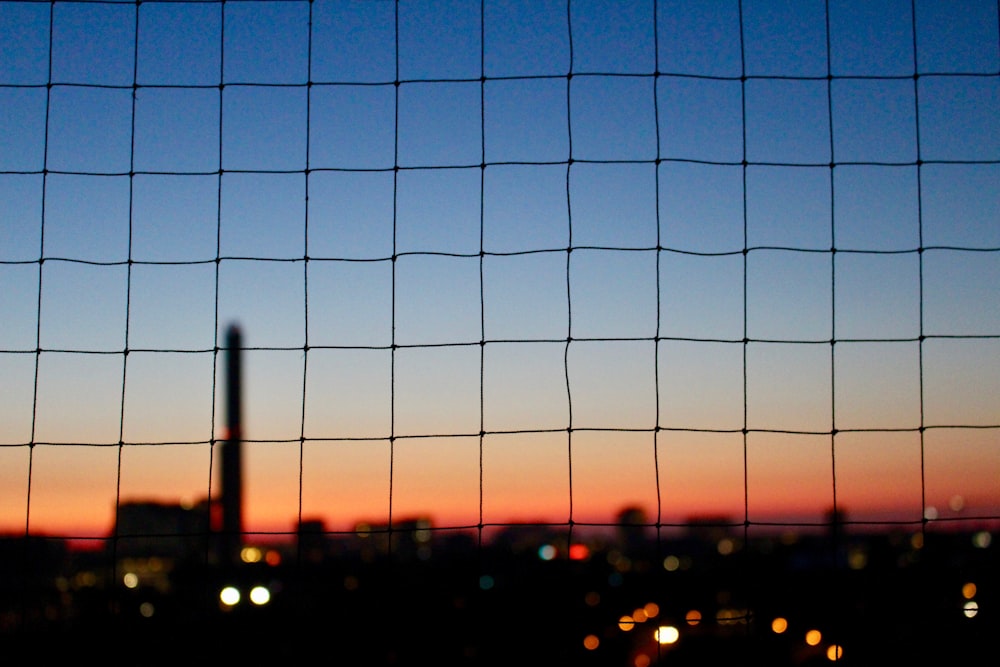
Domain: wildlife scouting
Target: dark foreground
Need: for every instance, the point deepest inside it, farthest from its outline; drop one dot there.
(882, 599)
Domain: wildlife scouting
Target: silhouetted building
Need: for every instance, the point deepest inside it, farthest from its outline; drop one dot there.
(313, 545)
(633, 529)
(406, 540)
(150, 528)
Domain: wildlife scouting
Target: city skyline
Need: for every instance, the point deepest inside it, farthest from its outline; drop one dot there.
(502, 262)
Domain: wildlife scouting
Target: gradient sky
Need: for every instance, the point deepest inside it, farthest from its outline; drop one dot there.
(146, 207)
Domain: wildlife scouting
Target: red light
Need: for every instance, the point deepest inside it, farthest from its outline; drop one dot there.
(579, 552)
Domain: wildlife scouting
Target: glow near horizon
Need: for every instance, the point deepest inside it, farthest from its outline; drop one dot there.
(690, 296)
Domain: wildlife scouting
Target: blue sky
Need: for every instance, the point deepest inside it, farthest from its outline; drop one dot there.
(178, 170)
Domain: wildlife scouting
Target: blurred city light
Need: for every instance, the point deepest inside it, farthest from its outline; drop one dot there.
(251, 555)
(834, 652)
(626, 623)
(693, 617)
(666, 634)
(779, 625)
(971, 608)
(546, 552)
(857, 559)
(260, 595)
(814, 637)
(969, 591)
(229, 596)
(131, 580)
(591, 642)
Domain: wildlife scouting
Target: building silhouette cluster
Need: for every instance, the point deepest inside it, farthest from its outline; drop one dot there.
(177, 583)
(158, 592)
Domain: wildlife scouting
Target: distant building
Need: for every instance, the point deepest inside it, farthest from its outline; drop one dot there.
(633, 529)
(165, 530)
(405, 540)
(313, 543)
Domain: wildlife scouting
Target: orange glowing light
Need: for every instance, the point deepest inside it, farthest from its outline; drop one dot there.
(834, 652)
(626, 623)
(652, 610)
(579, 552)
(639, 615)
(779, 625)
(641, 660)
(814, 637)
(591, 642)
(693, 617)
(969, 591)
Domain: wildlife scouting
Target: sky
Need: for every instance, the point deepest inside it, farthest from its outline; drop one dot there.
(728, 259)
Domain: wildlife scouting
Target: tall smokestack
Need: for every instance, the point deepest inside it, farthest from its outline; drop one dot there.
(232, 455)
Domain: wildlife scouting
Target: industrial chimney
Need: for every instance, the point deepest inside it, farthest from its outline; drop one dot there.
(232, 455)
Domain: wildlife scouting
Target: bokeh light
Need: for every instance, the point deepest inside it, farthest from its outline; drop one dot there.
(251, 555)
(667, 634)
(956, 503)
(229, 596)
(260, 595)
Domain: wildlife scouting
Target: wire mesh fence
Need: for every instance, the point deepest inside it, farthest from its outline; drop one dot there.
(574, 309)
